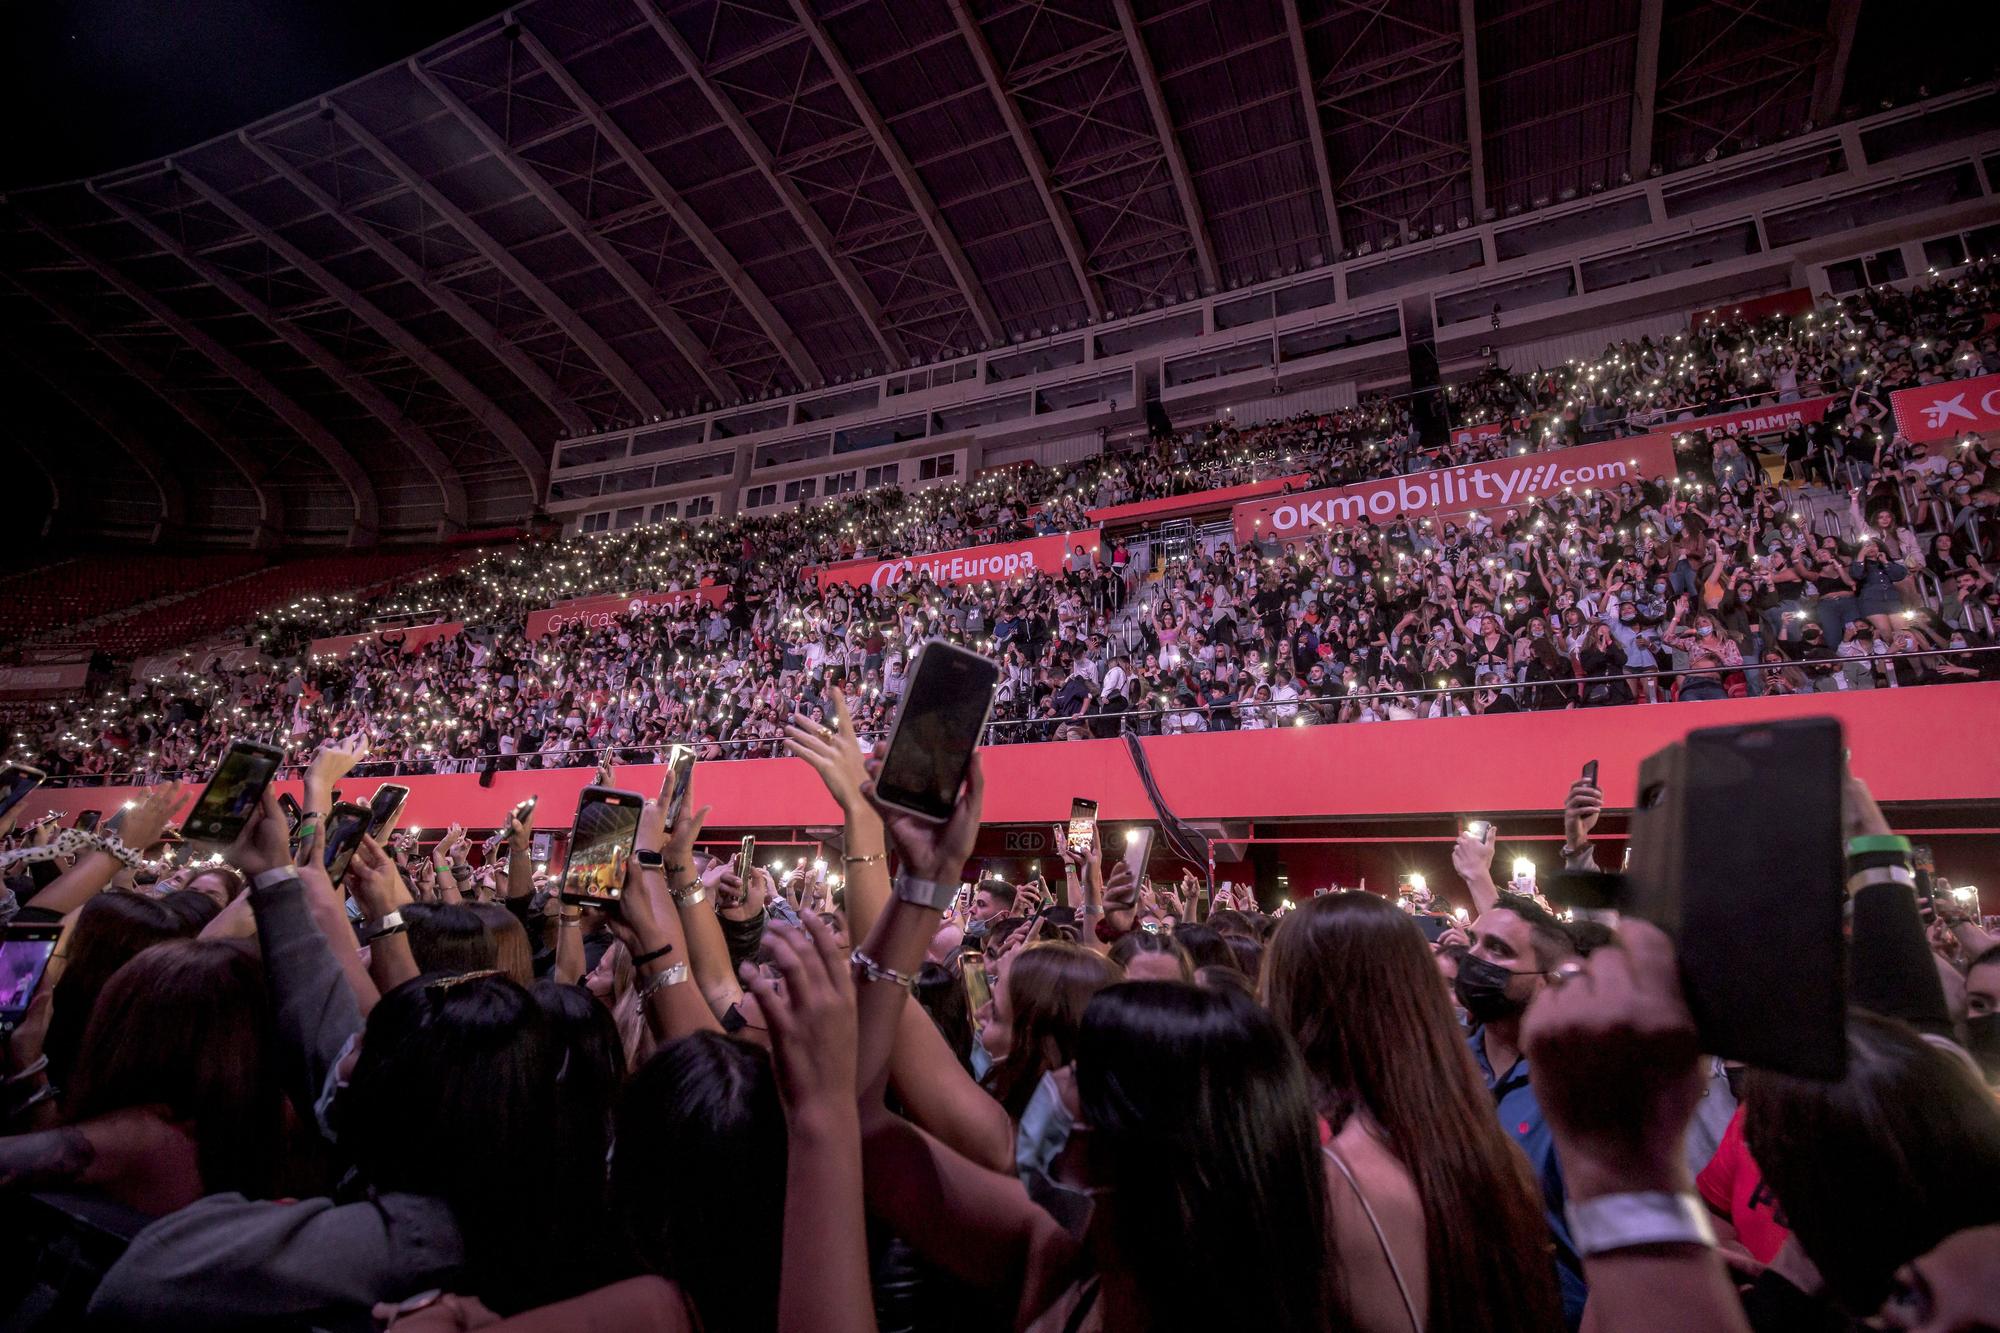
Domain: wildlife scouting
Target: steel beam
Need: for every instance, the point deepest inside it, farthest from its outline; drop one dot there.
(1645, 88)
(1315, 131)
(1031, 156)
(270, 504)
(451, 491)
(718, 257)
(809, 222)
(699, 359)
(483, 409)
(116, 427)
(367, 524)
(450, 302)
(1156, 106)
(1830, 73)
(613, 366)
(899, 165)
(1475, 128)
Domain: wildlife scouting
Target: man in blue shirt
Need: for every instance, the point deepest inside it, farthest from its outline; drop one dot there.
(1516, 944)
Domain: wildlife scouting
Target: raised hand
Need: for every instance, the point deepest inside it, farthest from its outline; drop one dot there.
(374, 881)
(810, 1009)
(934, 852)
(264, 844)
(156, 809)
(334, 761)
(1580, 814)
(834, 751)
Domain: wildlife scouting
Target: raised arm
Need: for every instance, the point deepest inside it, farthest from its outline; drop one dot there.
(650, 924)
(94, 870)
(1472, 858)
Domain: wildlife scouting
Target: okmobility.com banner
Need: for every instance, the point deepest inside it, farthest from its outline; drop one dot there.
(1499, 484)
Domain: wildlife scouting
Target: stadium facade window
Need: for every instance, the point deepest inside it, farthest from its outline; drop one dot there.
(1929, 129)
(576, 488)
(694, 469)
(803, 489)
(1863, 208)
(593, 451)
(775, 417)
(1945, 251)
(1570, 228)
(1555, 284)
(1153, 333)
(840, 483)
(701, 506)
(1307, 295)
(1340, 334)
(1715, 246)
(1983, 242)
(1399, 272)
(1213, 365)
(940, 465)
(859, 398)
(1756, 179)
(1034, 360)
(1886, 266)
(876, 434)
(663, 511)
(985, 412)
(792, 451)
(659, 441)
(629, 518)
(759, 496)
(885, 475)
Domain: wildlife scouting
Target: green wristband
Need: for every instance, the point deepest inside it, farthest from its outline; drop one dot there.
(1879, 842)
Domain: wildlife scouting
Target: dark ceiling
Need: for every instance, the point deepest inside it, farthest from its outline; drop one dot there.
(582, 213)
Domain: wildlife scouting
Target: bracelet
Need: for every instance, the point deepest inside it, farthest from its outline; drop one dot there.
(691, 896)
(659, 981)
(652, 955)
(1879, 842)
(386, 932)
(27, 1072)
(924, 892)
(867, 969)
(868, 860)
(567, 921)
(1623, 1221)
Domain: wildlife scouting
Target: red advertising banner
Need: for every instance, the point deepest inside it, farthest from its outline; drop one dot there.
(1474, 434)
(1496, 484)
(599, 612)
(43, 680)
(1794, 301)
(1196, 502)
(1928, 413)
(414, 637)
(1754, 420)
(972, 564)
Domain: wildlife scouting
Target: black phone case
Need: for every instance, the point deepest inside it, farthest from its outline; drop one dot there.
(1737, 854)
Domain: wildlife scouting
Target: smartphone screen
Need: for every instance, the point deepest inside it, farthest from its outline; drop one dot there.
(344, 827)
(293, 811)
(600, 845)
(1138, 851)
(24, 955)
(978, 990)
(1082, 823)
(16, 781)
(385, 807)
(87, 820)
(1481, 829)
(234, 793)
(945, 706)
(1590, 772)
(680, 776)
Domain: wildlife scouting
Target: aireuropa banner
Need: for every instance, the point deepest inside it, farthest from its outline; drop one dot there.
(971, 564)
(1753, 420)
(412, 637)
(1464, 435)
(1928, 413)
(600, 612)
(1497, 484)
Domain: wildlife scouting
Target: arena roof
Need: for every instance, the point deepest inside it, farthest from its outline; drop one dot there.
(586, 213)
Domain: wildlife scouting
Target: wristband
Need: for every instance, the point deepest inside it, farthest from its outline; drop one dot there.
(386, 925)
(652, 955)
(1623, 1221)
(1879, 842)
(691, 896)
(648, 858)
(924, 892)
(659, 981)
(264, 879)
(1887, 874)
(868, 860)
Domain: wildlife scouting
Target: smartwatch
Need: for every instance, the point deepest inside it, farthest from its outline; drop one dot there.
(648, 858)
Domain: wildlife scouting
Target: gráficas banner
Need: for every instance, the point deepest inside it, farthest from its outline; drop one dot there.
(596, 613)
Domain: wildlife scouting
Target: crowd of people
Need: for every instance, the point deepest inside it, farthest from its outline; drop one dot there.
(435, 1095)
(1835, 556)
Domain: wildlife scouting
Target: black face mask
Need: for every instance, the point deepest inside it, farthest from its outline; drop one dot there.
(1982, 1039)
(1481, 988)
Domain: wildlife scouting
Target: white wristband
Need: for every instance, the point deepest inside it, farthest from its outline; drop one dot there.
(924, 892)
(1623, 1221)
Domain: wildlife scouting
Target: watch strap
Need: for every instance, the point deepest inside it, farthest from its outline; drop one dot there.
(1625, 1221)
(649, 858)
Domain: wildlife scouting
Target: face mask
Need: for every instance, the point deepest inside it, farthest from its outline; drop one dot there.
(1982, 1040)
(1481, 988)
(1044, 1129)
(1704, 630)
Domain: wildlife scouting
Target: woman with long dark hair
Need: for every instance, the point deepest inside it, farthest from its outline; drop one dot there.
(1437, 1223)
(1030, 1026)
